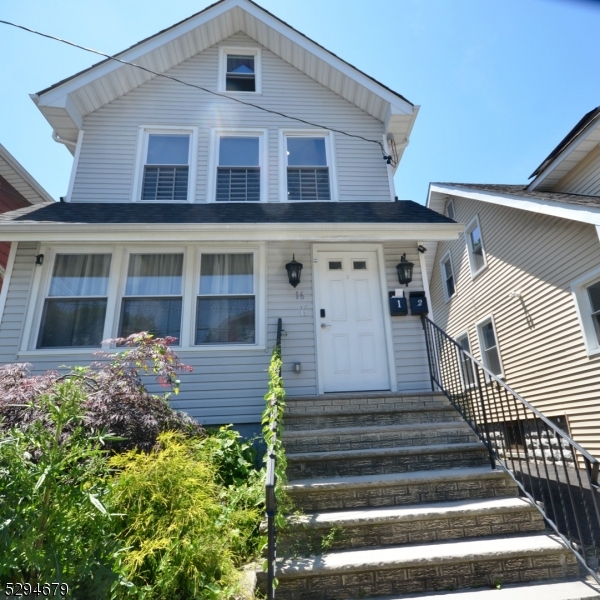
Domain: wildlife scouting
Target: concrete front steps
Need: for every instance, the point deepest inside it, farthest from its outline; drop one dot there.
(399, 498)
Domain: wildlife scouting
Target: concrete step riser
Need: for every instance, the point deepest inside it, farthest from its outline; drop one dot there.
(401, 494)
(432, 577)
(295, 406)
(376, 465)
(366, 441)
(303, 540)
(331, 420)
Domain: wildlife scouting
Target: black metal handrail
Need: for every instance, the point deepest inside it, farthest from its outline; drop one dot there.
(541, 458)
(271, 480)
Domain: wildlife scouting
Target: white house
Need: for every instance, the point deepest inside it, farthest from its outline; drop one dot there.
(241, 145)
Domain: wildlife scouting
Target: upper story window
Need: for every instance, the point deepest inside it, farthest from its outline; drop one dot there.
(239, 69)
(467, 369)
(450, 209)
(307, 167)
(475, 248)
(75, 307)
(447, 276)
(166, 164)
(237, 170)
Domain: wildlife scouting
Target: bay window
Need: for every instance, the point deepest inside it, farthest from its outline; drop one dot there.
(75, 307)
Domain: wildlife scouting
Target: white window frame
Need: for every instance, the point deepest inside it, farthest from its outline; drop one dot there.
(240, 51)
(583, 308)
(41, 287)
(479, 325)
(144, 133)
(447, 257)
(468, 229)
(449, 204)
(329, 138)
(213, 160)
(116, 287)
(461, 335)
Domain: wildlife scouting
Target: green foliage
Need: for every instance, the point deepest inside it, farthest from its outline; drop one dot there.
(233, 458)
(53, 524)
(184, 532)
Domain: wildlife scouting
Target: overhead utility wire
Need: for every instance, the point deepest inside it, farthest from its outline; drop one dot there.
(387, 157)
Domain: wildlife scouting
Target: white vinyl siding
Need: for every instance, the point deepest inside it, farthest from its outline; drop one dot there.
(584, 178)
(108, 151)
(544, 356)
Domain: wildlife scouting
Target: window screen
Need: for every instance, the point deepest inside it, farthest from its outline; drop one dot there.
(238, 172)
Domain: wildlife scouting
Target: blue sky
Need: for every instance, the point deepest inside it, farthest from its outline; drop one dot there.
(500, 82)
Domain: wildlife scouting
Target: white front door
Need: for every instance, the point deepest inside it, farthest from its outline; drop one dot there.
(350, 329)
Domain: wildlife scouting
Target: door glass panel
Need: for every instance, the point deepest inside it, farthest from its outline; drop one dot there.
(359, 264)
(335, 265)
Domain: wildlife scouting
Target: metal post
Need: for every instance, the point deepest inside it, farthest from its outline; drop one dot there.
(485, 422)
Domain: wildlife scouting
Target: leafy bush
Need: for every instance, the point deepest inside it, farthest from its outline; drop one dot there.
(116, 398)
(179, 525)
(53, 525)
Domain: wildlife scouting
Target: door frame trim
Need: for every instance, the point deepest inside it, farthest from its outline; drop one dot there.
(387, 323)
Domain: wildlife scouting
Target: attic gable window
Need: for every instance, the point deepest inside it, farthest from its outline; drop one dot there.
(166, 164)
(239, 70)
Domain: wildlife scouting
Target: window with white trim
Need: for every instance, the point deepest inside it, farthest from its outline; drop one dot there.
(207, 296)
(475, 248)
(166, 164)
(238, 169)
(226, 302)
(488, 344)
(447, 276)
(450, 209)
(75, 305)
(467, 370)
(307, 168)
(586, 293)
(239, 69)
(153, 295)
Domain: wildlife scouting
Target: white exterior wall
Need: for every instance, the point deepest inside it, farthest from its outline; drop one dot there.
(229, 385)
(105, 169)
(540, 340)
(584, 178)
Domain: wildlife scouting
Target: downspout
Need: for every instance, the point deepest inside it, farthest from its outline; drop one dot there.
(72, 145)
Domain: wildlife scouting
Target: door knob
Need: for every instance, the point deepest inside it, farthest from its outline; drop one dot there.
(323, 325)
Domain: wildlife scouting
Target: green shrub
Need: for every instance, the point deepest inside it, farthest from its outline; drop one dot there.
(53, 525)
(184, 532)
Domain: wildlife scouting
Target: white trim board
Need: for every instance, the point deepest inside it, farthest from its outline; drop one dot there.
(6, 280)
(181, 232)
(562, 210)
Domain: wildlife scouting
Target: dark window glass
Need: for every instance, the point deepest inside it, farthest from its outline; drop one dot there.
(477, 248)
(359, 264)
(490, 348)
(450, 289)
(335, 265)
(225, 320)
(74, 312)
(594, 296)
(166, 171)
(240, 76)
(72, 323)
(159, 316)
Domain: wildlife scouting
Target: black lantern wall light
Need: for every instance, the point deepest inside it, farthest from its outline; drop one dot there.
(294, 268)
(405, 271)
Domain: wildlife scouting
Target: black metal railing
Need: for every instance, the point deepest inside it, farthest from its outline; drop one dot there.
(551, 469)
(271, 480)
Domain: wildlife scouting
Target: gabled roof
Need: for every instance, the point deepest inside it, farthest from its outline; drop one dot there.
(20, 179)
(66, 103)
(569, 152)
(568, 206)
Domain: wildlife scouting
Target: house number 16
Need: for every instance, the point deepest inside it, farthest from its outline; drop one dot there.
(299, 295)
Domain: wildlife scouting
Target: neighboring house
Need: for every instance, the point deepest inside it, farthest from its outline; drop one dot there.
(184, 208)
(521, 288)
(17, 190)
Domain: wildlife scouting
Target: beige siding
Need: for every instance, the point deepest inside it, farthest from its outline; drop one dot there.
(584, 178)
(106, 164)
(228, 386)
(540, 340)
